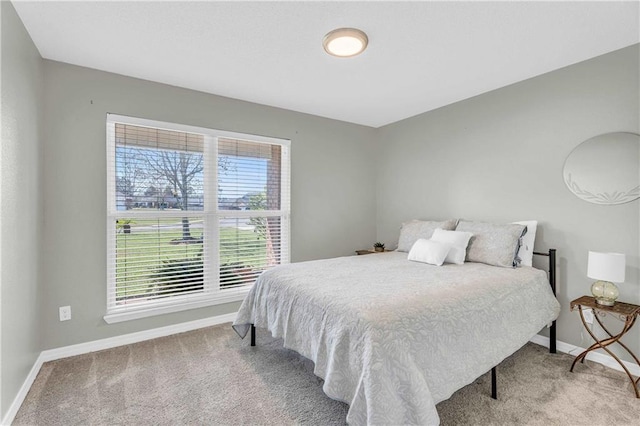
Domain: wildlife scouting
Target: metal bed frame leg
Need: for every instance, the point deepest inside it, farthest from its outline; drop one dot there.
(552, 331)
(253, 335)
(552, 337)
(494, 387)
(552, 281)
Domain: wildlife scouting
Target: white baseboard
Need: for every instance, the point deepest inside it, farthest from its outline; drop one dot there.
(127, 339)
(108, 343)
(22, 393)
(598, 357)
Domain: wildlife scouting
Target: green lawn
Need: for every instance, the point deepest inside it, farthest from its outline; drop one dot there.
(152, 249)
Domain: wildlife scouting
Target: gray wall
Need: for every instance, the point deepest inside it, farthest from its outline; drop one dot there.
(333, 186)
(21, 205)
(499, 156)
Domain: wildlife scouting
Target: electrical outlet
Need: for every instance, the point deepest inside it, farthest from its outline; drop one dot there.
(588, 316)
(65, 313)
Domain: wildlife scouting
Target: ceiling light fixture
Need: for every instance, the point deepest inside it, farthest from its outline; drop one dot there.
(345, 42)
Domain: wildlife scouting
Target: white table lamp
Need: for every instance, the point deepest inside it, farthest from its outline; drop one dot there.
(607, 268)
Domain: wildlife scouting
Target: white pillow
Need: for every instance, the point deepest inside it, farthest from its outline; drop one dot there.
(458, 240)
(428, 251)
(412, 230)
(525, 253)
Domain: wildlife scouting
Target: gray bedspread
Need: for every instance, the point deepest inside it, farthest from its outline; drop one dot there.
(391, 337)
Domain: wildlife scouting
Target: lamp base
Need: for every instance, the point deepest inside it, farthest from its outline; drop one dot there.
(605, 293)
(605, 302)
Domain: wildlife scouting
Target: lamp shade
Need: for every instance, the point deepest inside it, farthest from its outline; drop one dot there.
(606, 266)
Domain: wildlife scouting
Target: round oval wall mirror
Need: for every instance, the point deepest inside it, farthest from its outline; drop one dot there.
(605, 169)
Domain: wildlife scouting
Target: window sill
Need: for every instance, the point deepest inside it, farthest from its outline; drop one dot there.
(219, 298)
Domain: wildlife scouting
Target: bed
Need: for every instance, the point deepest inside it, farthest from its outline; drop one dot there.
(391, 337)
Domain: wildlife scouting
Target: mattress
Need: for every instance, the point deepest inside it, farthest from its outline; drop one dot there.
(391, 337)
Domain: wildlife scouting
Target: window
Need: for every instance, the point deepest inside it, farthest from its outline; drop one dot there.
(194, 215)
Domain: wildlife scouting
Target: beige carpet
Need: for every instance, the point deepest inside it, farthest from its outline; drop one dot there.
(212, 377)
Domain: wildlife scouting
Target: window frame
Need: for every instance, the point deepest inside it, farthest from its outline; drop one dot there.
(211, 214)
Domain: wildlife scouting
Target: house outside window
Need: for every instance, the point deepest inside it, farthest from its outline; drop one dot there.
(194, 215)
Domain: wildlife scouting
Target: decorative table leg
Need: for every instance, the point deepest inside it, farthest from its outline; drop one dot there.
(583, 355)
(602, 344)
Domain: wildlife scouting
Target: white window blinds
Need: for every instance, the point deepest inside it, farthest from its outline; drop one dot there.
(250, 209)
(193, 214)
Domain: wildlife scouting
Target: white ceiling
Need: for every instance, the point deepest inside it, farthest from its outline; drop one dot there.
(421, 55)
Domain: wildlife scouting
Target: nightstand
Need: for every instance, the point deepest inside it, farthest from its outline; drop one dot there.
(625, 312)
(369, 251)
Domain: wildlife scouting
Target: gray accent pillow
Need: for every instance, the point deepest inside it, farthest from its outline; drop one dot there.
(413, 230)
(493, 244)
